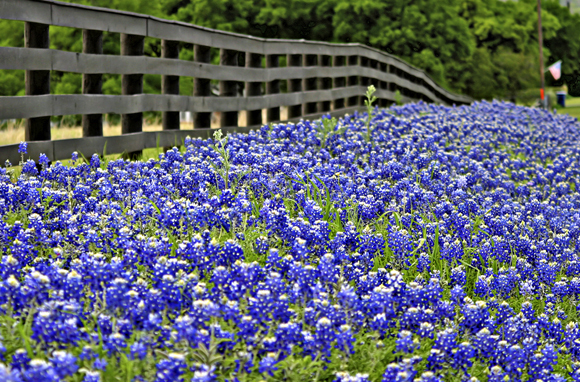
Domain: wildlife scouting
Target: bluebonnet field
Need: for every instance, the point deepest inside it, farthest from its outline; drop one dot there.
(430, 243)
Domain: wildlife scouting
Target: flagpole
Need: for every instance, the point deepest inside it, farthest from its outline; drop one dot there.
(544, 105)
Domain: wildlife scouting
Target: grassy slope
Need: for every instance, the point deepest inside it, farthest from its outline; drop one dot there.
(370, 351)
(572, 107)
(574, 5)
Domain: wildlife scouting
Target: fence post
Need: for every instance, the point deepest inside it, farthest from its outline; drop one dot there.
(170, 85)
(37, 81)
(253, 117)
(324, 83)
(92, 83)
(374, 64)
(391, 85)
(338, 83)
(132, 45)
(364, 80)
(294, 85)
(201, 87)
(383, 102)
(388, 85)
(228, 88)
(310, 84)
(273, 87)
(353, 80)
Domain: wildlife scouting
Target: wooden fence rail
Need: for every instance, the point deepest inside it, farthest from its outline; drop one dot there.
(322, 78)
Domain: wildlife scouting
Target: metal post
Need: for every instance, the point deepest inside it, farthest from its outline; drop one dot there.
(542, 95)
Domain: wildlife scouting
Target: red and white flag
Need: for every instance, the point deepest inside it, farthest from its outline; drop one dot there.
(556, 70)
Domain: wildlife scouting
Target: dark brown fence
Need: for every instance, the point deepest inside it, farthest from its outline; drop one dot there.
(322, 78)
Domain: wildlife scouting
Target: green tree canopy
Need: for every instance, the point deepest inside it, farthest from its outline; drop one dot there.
(482, 48)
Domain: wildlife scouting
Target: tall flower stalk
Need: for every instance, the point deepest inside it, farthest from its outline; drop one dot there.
(369, 102)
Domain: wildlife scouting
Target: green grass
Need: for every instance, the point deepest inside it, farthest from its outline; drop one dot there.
(369, 357)
(572, 102)
(572, 107)
(147, 153)
(572, 111)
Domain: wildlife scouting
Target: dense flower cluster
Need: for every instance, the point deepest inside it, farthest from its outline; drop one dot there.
(446, 248)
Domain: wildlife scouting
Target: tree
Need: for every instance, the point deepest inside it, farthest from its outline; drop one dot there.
(506, 37)
(11, 34)
(565, 46)
(482, 48)
(427, 34)
(297, 19)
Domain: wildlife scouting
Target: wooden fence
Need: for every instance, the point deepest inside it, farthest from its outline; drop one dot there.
(322, 78)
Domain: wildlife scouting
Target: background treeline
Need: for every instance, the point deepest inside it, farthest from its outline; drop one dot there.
(574, 5)
(481, 48)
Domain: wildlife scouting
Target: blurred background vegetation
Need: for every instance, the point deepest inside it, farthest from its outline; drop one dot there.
(482, 48)
(574, 5)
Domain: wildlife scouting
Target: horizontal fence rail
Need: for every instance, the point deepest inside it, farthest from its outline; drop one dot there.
(323, 78)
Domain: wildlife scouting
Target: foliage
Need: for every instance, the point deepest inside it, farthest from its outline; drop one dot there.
(446, 250)
(398, 97)
(327, 130)
(369, 103)
(574, 5)
(482, 48)
(564, 46)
